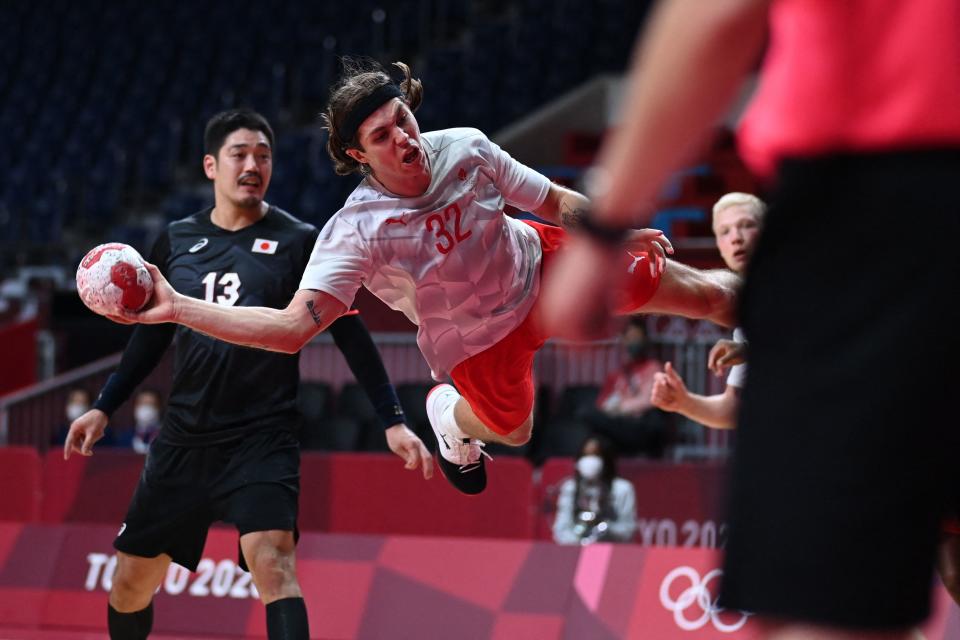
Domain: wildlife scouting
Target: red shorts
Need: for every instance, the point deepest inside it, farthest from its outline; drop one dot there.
(498, 382)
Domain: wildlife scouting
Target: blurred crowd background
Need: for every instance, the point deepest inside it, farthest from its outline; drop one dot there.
(104, 103)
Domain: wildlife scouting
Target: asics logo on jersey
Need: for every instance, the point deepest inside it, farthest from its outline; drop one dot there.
(200, 245)
(399, 220)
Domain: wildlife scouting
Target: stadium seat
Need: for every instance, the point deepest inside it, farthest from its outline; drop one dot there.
(576, 399)
(332, 433)
(316, 404)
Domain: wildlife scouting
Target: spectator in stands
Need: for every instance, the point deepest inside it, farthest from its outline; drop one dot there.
(78, 403)
(595, 505)
(147, 408)
(737, 220)
(624, 412)
(228, 448)
(426, 232)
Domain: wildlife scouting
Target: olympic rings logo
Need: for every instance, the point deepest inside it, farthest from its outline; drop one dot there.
(697, 595)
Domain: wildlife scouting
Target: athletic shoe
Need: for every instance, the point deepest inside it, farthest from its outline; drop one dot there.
(460, 457)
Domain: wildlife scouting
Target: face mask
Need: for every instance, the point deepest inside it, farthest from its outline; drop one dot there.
(636, 350)
(75, 410)
(589, 467)
(146, 415)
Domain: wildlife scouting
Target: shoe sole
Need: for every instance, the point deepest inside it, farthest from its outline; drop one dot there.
(469, 483)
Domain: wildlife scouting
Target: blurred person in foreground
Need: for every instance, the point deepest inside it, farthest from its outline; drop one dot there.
(855, 125)
(595, 505)
(737, 220)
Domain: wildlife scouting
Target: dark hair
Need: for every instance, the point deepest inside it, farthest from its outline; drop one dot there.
(224, 123)
(607, 453)
(640, 322)
(152, 392)
(83, 390)
(360, 77)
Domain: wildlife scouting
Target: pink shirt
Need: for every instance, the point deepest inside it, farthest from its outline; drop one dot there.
(855, 75)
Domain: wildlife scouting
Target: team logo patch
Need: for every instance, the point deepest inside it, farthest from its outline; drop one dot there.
(462, 174)
(264, 246)
(200, 245)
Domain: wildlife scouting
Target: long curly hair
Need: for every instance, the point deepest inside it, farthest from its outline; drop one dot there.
(360, 77)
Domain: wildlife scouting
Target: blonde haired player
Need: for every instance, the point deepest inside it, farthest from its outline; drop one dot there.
(737, 219)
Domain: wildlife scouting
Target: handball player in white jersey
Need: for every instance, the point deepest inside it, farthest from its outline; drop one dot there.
(425, 231)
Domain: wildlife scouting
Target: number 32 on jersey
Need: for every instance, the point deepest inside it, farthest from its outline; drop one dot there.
(446, 228)
(230, 288)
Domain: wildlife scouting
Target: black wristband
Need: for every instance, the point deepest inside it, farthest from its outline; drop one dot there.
(603, 234)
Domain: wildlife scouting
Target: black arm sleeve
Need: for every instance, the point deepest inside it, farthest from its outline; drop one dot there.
(141, 355)
(354, 341)
(143, 351)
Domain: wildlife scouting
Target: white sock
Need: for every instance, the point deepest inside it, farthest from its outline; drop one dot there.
(448, 419)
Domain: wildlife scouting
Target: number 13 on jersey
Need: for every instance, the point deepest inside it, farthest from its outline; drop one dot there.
(441, 225)
(231, 288)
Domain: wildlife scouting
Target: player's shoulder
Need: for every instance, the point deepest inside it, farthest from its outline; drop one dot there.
(280, 218)
(457, 137)
(190, 227)
(196, 220)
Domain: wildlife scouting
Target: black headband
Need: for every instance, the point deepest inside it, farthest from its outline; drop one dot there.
(364, 107)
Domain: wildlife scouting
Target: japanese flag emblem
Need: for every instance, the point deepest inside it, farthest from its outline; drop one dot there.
(264, 246)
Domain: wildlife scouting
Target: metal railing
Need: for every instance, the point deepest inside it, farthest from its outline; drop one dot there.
(35, 415)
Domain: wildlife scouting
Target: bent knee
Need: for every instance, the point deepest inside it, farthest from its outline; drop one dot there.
(128, 595)
(521, 435)
(275, 574)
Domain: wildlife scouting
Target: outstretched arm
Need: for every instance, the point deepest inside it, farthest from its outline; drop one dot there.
(569, 209)
(285, 330)
(564, 207)
(717, 411)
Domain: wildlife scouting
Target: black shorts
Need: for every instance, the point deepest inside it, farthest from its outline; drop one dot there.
(844, 462)
(252, 483)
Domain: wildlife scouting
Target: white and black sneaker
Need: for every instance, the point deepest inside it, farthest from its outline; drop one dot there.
(460, 457)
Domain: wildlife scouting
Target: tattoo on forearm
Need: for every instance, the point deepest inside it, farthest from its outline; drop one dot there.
(571, 217)
(313, 313)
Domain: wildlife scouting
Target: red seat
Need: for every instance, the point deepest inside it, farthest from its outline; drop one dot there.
(20, 479)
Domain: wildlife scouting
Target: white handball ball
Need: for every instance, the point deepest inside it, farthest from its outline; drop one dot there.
(112, 278)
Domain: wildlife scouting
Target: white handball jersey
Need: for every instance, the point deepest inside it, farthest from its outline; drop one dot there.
(738, 372)
(464, 272)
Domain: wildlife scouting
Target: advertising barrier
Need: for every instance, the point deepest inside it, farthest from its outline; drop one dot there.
(56, 577)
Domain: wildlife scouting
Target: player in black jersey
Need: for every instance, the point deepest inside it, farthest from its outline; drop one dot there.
(228, 449)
